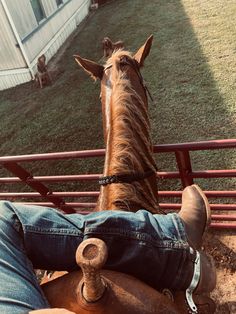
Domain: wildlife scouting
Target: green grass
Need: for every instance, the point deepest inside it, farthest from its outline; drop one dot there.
(191, 73)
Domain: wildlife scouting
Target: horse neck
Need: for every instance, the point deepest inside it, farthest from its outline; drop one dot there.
(128, 150)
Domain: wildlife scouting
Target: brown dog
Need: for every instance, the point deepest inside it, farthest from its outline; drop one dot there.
(108, 46)
(42, 77)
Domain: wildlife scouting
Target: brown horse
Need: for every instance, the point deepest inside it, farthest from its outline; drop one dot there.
(129, 183)
(129, 178)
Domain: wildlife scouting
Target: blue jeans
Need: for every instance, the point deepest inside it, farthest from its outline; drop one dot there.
(150, 247)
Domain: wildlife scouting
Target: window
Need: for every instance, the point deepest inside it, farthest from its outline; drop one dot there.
(38, 10)
(59, 2)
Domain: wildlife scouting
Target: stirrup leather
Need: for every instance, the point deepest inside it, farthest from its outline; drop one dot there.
(193, 284)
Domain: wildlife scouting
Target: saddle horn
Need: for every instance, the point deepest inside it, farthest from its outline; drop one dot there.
(91, 256)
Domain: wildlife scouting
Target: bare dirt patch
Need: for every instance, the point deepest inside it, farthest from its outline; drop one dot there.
(222, 246)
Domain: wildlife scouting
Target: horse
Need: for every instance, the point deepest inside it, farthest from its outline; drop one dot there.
(129, 179)
(128, 183)
(109, 47)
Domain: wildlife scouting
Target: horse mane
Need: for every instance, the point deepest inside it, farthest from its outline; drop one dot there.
(130, 143)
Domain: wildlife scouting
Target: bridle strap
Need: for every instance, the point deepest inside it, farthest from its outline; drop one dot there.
(135, 66)
(125, 178)
(148, 91)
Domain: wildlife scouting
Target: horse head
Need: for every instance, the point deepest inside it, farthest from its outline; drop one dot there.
(129, 181)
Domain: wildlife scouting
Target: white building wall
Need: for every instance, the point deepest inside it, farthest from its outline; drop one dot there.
(50, 6)
(22, 15)
(47, 37)
(64, 21)
(15, 77)
(10, 54)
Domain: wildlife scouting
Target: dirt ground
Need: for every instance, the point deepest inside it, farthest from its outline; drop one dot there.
(222, 246)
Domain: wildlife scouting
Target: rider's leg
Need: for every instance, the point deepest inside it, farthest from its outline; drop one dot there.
(19, 290)
(133, 239)
(195, 214)
(153, 248)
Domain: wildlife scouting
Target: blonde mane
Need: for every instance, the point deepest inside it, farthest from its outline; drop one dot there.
(130, 149)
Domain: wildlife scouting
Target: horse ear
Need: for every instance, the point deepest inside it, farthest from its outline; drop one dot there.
(143, 52)
(94, 69)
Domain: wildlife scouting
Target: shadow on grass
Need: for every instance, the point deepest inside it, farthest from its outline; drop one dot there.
(188, 104)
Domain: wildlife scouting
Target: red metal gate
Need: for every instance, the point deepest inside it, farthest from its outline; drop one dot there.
(183, 172)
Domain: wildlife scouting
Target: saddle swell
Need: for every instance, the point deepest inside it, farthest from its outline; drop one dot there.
(93, 290)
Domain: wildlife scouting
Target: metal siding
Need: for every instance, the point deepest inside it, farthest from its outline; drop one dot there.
(12, 78)
(83, 13)
(10, 55)
(47, 39)
(42, 37)
(57, 43)
(49, 6)
(23, 16)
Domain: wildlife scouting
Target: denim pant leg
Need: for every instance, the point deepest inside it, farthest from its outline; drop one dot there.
(153, 248)
(19, 290)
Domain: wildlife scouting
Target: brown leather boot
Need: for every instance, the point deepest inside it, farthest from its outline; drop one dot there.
(195, 214)
(205, 305)
(207, 280)
(201, 282)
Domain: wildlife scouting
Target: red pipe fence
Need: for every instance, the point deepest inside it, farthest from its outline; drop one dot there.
(184, 173)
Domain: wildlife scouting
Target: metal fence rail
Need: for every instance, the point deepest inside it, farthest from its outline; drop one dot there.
(184, 173)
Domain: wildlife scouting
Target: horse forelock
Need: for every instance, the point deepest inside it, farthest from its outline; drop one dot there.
(115, 57)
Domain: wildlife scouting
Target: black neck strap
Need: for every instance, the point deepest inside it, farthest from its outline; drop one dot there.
(125, 178)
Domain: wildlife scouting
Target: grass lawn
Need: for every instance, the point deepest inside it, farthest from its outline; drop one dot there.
(191, 73)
